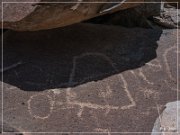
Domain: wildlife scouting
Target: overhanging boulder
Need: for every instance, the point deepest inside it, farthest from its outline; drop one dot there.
(41, 14)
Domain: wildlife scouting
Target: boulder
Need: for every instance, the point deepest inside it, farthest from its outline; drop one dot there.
(36, 15)
(132, 17)
(168, 121)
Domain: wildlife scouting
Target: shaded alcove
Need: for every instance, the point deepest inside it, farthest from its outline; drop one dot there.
(48, 57)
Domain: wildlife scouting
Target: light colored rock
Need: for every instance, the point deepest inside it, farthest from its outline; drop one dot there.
(168, 121)
(168, 17)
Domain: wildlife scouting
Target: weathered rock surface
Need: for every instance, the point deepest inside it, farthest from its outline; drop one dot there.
(89, 78)
(38, 16)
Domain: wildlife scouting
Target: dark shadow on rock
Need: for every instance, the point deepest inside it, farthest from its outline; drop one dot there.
(73, 55)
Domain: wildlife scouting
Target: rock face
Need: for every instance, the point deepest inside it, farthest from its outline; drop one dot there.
(38, 16)
(88, 78)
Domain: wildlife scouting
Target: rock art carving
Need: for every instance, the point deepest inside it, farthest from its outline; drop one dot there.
(155, 64)
(167, 51)
(70, 102)
(104, 93)
(96, 106)
(143, 76)
(35, 97)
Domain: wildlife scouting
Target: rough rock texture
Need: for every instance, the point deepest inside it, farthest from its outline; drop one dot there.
(38, 16)
(88, 78)
(167, 121)
(169, 17)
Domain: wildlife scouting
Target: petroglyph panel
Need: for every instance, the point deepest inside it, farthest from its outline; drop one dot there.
(89, 78)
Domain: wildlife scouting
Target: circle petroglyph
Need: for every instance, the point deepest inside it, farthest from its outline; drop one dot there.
(40, 106)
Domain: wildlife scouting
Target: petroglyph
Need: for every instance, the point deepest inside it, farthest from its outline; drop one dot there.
(112, 95)
(79, 114)
(104, 92)
(155, 65)
(168, 70)
(68, 95)
(36, 99)
(11, 66)
(94, 106)
(148, 93)
(143, 76)
(56, 91)
(133, 103)
(108, 131)
(72, 102)
(75, 59)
